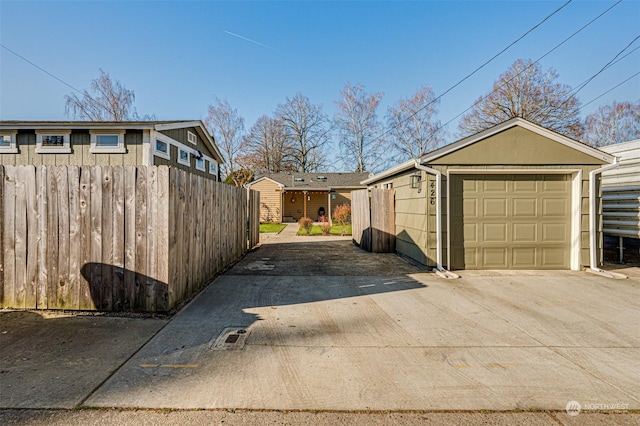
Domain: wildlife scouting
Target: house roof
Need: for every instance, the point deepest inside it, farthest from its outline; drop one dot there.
(151, 125)
(470, 140)
(306, 181)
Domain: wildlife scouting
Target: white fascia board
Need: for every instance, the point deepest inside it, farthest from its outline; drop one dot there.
(407, 165)
(177, 125)
(621, 147)
(98, 125)
(265, 178)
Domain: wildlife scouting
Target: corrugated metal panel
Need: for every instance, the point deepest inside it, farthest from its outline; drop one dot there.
(621, 192)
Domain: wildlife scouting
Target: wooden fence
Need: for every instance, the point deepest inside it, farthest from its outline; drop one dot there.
(373, 219)
(115, 238)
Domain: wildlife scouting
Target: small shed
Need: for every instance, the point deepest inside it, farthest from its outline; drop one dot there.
(515, 196)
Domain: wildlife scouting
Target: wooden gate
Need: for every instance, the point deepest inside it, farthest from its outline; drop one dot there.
(373, 220)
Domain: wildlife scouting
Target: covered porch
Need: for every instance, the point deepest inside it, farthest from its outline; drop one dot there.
(297, 204)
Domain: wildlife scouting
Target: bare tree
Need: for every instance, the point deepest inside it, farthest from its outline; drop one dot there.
(109, 101)
(614, 123)
(413, 125)
(358, 126)
(227, 127)
(526, 91)
(266, 148)
(307, 130)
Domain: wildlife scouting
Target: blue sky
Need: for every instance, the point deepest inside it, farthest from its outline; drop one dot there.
(177, 56)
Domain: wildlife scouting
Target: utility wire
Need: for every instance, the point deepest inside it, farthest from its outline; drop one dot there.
(476, 70)
(533, 63)
(41, 69)
(613, 88)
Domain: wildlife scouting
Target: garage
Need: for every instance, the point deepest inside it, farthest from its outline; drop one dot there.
(515, 196)
(515, 221)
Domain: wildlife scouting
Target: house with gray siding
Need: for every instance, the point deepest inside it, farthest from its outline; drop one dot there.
(183, 144)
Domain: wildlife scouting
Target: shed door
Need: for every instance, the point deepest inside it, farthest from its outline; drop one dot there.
(511, 222)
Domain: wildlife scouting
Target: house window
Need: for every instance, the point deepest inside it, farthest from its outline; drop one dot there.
(183, 157)
(8, 143)
(162, 149)
(111, 142)
(191, 137)
(48, 142)
(200, 164)
(213, 168)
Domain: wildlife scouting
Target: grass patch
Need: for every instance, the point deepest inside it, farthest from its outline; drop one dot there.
(269, 228)
(317, 230)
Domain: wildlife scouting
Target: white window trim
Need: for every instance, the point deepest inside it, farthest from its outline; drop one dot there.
(13, 147)
(204, 165)
(215, 164)
(190, 136)
(186, 162)
(64, 149)
(161, 154)
(95, 149)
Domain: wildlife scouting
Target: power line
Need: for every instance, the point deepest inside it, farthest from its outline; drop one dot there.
(41, 69)
(613, 88)
(533, 63)
(477, 69)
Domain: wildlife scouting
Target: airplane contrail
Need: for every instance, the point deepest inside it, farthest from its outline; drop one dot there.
(248, 39)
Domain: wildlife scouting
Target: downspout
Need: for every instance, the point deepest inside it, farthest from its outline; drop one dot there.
(593, 248)
(438, 269)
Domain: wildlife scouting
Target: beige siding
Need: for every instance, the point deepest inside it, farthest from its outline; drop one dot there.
(270, 204)
(80, 152)
(517, 146)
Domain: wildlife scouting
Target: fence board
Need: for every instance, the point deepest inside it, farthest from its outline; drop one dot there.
(75, 238)
(9, 237)
(141, 238)
(162, 243)
(95, 282)
(92, 237)
(2, 232)
(42, 294)
(31, 295)
(117, 286)
(85, 302)
(129, 290)
(361, 218)
(53, 239)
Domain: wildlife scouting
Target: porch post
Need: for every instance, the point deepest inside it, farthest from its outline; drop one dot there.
(304, 203)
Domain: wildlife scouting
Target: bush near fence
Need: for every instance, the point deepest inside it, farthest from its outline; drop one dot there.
(130, 238)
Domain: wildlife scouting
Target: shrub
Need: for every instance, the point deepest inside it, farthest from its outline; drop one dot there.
(306, 223)
(326, 228)
(342, 216)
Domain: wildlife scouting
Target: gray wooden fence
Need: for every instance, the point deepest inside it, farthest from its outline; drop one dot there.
(373, 219)
(115, 238)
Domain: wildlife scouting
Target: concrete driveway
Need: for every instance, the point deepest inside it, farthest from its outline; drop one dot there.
(317, 324)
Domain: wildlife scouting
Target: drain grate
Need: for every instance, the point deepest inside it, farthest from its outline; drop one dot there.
(231, 339)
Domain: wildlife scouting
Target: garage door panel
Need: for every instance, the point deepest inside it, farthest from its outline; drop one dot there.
(494, 185)
(525, 207)
(554, 232)
(553, 257)
(494, 232)
(524, 257)
(554, 207)
(525, 186)
(512, 221)
(495, 258)
(494, 208)
(470, 208)
(524, 232)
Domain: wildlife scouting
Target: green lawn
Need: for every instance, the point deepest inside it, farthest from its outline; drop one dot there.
(271, 227)
(317, 230)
